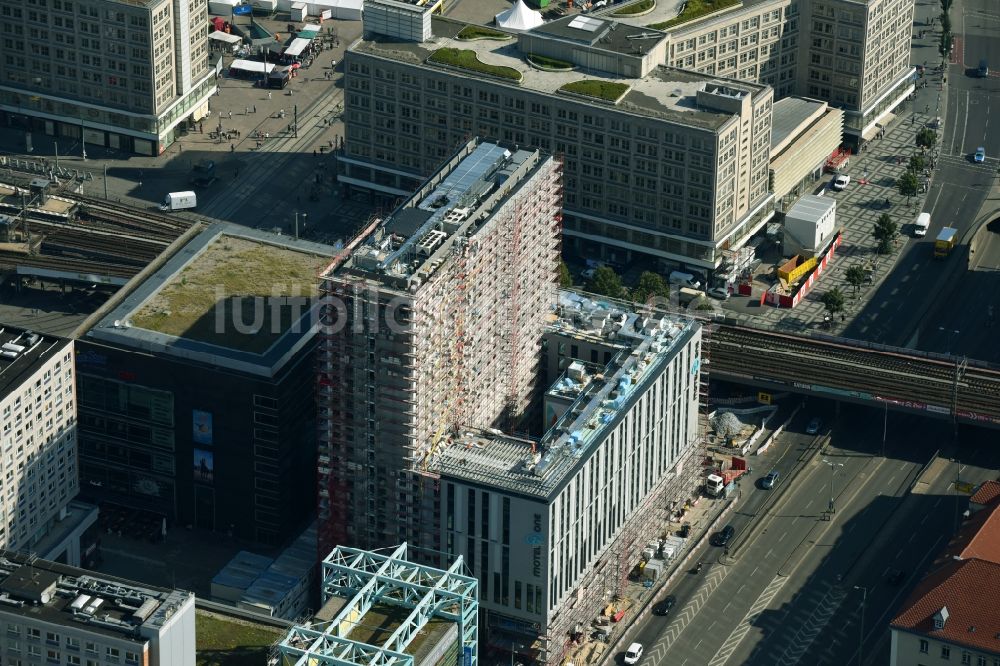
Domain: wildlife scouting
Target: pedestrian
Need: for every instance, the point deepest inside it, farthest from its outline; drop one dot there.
(180, 148)
(232, 148)
(255, 108)
(333, 63)
(230, 115)
(315, 154)
(269, 94)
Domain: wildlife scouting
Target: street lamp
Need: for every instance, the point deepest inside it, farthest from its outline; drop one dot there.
(885, 426)
(833, 471)
(861, 635)
(951, 337)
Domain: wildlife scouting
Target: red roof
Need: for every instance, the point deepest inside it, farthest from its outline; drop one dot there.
(987, 492)
(968, 589)
(978, 537)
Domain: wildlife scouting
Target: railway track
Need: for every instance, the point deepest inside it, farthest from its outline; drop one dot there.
(67, 264)
(890, 374)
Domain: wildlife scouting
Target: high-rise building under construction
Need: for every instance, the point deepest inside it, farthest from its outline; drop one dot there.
(433, 320)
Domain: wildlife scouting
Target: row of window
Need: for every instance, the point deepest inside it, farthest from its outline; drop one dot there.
(966, 656)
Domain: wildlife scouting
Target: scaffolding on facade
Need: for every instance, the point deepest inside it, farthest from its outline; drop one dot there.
(606, 581)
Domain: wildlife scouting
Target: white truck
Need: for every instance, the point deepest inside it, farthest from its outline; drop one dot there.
(179, 201)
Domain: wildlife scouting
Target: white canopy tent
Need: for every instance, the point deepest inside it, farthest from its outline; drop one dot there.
(252, 66)
(296, 48)
(226, 37)
(519, 18)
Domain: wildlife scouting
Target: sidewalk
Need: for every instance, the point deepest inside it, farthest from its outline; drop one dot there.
(874, 173)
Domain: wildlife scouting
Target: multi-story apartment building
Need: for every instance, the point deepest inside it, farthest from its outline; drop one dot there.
(117, 73)
(38, 437)
(56, 614)
(196, 387)
(853, 54)
(552, 526)
(432, 323)
(658, 161)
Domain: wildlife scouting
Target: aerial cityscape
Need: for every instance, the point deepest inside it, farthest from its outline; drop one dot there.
(489, 332)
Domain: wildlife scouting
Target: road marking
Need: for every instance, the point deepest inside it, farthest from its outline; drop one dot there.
(781, 537)
(687, 615)
(891, 479)
(809, 504)
(754, 572)
(811, 627)
(743, 628)
(924, 519)
(912, 534)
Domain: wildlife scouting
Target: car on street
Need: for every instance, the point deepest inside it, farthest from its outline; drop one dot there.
(841, 181)
(720, 293)
(633, 654)
(895, 576)
(724, 536)
(768, 481)
(812, 428)
(663, 607)
(980, 155)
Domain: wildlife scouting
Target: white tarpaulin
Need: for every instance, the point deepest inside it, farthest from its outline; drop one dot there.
(346, 10)
(296, 48)
(226, 37)
(519, 17)
(252, 66)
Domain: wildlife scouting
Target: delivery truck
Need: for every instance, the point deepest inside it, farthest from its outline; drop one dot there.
(945, 241)
(179, 201)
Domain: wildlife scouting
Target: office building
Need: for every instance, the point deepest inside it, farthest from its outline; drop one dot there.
(38, 412)
(853, 54)
(553, 526)
(56, 614)
(123, 74)
(950, 617)
(384, 607)
(432, 323)
(196, 387)
(658, 162)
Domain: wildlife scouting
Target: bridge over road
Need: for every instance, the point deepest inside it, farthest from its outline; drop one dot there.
(899, 379)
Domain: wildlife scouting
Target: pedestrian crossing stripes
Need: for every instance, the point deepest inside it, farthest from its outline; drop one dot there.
(685, 616)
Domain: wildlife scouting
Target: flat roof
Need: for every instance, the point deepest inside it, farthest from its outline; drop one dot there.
(176, 311)
(417, 237)
(789, 114)
(22, 352)
(811, 207)
(124, 606)
(602, 33)
(665, 92)
(539, 469)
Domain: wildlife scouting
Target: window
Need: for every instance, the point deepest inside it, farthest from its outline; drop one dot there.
(924, 646)
(966, 659)
(945, 652)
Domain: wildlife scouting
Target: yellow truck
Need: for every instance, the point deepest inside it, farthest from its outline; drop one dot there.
(945, 241)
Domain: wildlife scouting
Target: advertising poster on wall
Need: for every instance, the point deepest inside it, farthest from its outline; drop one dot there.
(204, 466)
(201, 427)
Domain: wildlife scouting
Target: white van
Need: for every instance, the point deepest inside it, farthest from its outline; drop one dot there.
(683, 279)
(922, 224)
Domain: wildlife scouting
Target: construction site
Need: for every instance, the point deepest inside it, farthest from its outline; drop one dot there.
(431, 322)
(469, 408)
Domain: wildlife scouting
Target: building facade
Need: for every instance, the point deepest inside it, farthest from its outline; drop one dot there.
(38, 433)
(552, 527)
(210, 423)
(57, 614)
(433, 323)
(674, 167)
(124, 74)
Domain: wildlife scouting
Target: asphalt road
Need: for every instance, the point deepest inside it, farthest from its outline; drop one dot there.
(936, 305)
(788, 595)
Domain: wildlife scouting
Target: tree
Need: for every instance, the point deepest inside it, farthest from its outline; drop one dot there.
(917, 164)
(944, 47)
(926, 138)
(565, 279)
(885, 231)
(908, 185)
(607, 283)
(833, 301)
(856, 277)
(945, 23)
(650, 284)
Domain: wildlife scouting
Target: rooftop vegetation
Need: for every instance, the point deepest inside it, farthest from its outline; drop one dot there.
(467, 59)
(548, 63)
(606, 90)
(479, 32)
(221, 641)
(694, 9)
(636, 8)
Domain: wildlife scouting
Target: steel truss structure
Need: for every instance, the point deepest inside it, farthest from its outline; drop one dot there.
(367, 578)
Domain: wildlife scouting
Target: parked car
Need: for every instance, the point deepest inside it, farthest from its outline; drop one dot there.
(633, 654)
(664, 606)
(768, 481)
(813, 426)
(841, 181)
(980, 155)
(720, 293)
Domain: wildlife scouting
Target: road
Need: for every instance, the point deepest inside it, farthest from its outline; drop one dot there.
(935, 305)
(788, 595)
